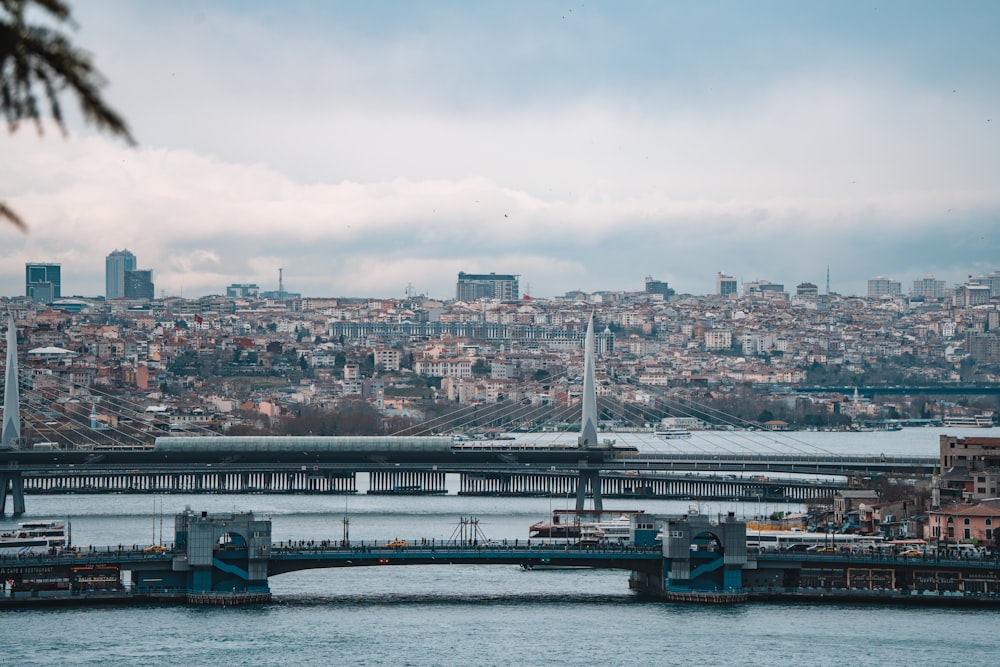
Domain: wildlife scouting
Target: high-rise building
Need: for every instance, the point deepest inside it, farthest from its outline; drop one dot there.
(880, 286)
(658, 287)
(928, 288)
(992, 280)
(725, 285)
(115, 266)
(43, 282)
(475, 286)
(139, 284)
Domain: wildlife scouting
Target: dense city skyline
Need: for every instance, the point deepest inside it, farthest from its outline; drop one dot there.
(366, 149)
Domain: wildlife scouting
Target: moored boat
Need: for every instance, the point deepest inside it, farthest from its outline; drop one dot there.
(35, 537)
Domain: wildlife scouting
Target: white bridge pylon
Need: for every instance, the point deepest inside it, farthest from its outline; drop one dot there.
(589, 479)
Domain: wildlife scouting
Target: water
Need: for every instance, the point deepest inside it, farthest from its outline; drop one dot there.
(464, 615)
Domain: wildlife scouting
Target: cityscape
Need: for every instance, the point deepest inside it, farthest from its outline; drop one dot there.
(254, 360)
(499, 333)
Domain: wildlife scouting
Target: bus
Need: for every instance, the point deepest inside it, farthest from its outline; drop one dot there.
(801, 540)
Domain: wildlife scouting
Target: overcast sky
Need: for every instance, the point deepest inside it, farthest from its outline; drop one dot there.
(370, 146)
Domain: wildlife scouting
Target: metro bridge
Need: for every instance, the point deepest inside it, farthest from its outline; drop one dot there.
(423, 466)
(590, 468)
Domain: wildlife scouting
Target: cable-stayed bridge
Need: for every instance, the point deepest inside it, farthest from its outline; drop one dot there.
(100, 459)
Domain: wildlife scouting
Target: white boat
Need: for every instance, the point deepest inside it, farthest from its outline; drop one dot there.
(586, 526)
(977, 421)
(35, 537)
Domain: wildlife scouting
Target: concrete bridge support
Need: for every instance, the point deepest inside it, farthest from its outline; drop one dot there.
(12, 483)
(407, 482)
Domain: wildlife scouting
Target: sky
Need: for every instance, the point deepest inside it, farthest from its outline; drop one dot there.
(378, 148)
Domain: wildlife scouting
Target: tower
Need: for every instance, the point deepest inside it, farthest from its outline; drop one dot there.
(11, 432)
(116, 265)
(589, 478)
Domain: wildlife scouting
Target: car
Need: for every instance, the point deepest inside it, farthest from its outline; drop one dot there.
(396, 543)
(911, 552)
(154, 549)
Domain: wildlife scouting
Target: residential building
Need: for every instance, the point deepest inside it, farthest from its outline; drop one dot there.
(476, 286)
(928, 288)
(880, 286)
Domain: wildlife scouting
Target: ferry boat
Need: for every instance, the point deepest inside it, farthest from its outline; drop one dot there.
(591, 526)
(976, 421)
(35, 537)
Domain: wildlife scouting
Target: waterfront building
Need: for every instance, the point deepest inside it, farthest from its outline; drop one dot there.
(43, 281)
(880, 286)
(117, 263)
(139, 284)
(725, 286)
(475, 286)
(963, 522)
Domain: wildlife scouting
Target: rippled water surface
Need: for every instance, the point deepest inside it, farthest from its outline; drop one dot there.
(465, 615)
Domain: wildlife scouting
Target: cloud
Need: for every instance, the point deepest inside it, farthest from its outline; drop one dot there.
(365, 150)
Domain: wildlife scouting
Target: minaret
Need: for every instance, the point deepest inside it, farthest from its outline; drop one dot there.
(10, 435)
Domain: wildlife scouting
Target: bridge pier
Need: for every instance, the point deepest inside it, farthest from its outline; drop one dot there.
(589, 479)
(12, 483)
(407, 482)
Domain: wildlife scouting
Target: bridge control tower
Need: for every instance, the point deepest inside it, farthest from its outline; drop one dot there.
(222, 559)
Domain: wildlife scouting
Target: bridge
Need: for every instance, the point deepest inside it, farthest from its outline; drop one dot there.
(591, 468)
(227, 559)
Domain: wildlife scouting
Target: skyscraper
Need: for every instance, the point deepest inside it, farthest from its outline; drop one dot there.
(43, 282)
(116, 265)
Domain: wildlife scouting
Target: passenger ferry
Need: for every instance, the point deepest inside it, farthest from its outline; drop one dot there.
(977, 421)
(587, 526)
(35, 537)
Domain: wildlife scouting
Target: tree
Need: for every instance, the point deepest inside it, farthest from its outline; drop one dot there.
(37, 63)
